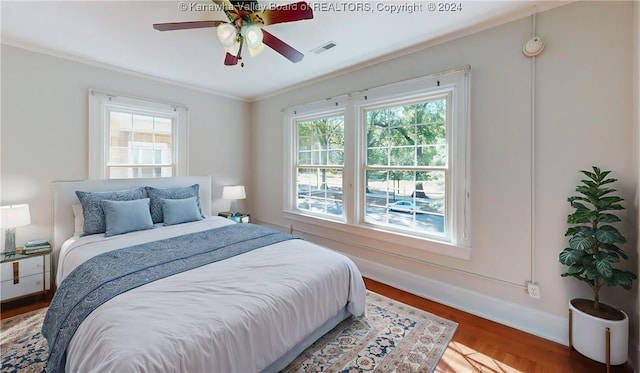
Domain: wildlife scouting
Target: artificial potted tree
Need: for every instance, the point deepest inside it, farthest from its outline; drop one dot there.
(592, 253)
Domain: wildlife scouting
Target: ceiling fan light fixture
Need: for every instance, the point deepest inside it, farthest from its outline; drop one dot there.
(254, 40)
(227, 35)
(254, 36)
(255, 51)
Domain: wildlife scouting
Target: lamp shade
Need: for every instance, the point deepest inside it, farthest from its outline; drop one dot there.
(14, 216)
(253, 36)
(234, 192)
(254, 40)
(226, 34)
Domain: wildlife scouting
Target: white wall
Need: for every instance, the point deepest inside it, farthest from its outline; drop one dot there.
(584, 118)
(44, 129)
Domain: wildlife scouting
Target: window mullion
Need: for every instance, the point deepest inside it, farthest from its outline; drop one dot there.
(350, 174)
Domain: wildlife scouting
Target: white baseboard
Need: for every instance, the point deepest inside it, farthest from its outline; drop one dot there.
(526, 319)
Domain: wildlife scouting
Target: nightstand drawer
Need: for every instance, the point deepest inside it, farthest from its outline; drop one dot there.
(26, 285)
(25, 267)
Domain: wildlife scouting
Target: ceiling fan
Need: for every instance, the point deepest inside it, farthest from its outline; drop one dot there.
(246, 21)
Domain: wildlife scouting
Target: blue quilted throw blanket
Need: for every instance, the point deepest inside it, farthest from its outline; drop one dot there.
(107, 275)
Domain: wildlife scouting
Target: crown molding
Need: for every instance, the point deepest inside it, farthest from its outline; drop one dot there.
(102, 65)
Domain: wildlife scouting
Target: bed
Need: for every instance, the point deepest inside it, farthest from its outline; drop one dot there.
(207, 295)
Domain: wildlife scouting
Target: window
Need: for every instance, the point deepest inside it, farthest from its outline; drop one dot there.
(393, 159)
(320, 164)
(132, 138)
(406, 164)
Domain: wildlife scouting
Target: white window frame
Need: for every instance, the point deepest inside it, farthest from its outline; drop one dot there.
(372, 104)
(102, 103)
(457, 240)
(307, 116)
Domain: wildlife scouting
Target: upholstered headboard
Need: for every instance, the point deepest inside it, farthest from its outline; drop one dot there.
(64, 196)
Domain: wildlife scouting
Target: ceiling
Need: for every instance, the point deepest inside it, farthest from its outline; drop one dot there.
(119, 34)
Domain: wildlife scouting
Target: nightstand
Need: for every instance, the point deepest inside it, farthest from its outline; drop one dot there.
(238, 218)
(24, 274)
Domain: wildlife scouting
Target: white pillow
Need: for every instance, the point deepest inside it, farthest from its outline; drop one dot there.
(79, 219)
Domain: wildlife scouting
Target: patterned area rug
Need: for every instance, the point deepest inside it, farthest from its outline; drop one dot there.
(392, 337)
(22, 347)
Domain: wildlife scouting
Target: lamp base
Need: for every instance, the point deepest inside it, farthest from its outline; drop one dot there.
(10, 240)
(233, 209)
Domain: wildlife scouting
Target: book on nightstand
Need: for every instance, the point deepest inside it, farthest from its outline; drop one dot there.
(35, 250)
(35, 246)
(37, 243)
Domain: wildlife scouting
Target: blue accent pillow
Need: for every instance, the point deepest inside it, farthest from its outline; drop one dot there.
(176, 211)
(157, 195)
(92, 209)
(126, 216)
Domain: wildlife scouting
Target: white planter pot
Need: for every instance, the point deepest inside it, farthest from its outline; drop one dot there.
(589, 336)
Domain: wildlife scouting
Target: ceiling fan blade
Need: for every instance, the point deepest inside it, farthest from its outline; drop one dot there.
(281, 47)
(230, 59)
(186, 25)
(284, 13)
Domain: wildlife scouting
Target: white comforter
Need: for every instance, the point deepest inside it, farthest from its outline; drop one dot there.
(236, 315)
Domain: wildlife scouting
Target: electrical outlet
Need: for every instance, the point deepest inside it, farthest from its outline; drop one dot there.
(533, 289)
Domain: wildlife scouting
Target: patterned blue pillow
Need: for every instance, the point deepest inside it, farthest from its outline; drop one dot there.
(126, 216)
(157, 195)
(178, 211)
(92, 209)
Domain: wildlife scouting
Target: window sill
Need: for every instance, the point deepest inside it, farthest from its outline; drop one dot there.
(417, 246)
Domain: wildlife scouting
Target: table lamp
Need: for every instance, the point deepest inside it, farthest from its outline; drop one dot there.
(13, 216)
(234, 193)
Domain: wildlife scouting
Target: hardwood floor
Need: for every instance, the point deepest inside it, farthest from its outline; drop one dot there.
(479, 345)
(23, 305)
